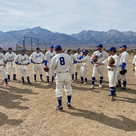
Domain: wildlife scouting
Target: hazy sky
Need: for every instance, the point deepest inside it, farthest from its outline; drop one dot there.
(68, 16)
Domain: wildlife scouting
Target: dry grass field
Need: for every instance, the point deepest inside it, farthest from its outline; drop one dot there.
(28, 110)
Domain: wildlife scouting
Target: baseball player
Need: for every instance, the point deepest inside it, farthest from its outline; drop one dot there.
(71, 70)
(78, 64)
(134, 65)
(48, 56)
(61, 64)
(11, 66)
(84, 67)
(2, 66)
(102, 55)
(124, 56)
(112, 70)
(37, 58)
(23, 60)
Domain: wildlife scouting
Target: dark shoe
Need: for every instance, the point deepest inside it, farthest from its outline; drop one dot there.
(123, 88)
(118, 85)
(14, 79)
(113, 95)
(59, 108)
(23, 83)
(69, 106)
(29, 83)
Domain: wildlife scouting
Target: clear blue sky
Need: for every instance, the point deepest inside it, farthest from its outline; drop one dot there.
(68, 16)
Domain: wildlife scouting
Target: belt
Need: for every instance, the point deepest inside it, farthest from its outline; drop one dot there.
(23, 64)
(97, 63)
(62, 72)
(79, 62)
(111, 70)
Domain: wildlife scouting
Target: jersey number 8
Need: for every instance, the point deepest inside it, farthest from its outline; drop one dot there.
(62, 61)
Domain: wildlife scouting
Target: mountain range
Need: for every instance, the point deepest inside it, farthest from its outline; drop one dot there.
(86, 39)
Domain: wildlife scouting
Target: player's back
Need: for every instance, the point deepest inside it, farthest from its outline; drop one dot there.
(61, 62)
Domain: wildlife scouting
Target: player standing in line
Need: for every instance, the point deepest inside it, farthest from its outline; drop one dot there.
(71, 70)
(48, 56)
(112, 70)
(78, 63)
(134, 65)
(124, 56)
(37, 58)
(23, 60)
(102, 55)
(2, 67)
(84, 67)
(11, 66)
(61, 64)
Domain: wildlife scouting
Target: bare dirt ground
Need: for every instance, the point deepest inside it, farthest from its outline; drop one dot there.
(28, 110)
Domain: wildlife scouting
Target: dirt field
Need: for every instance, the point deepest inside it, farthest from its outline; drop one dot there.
(28, 110)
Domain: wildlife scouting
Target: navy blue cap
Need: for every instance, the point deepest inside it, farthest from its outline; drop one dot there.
(37, 48)
(125, 46)
(1, 48)
(58, 47)
(22, 49)
(78, 48)
(68, 50)
(111, 48)
(83, 51)
(100, 45)
(51, 46)
(9, 48)
(86, 51)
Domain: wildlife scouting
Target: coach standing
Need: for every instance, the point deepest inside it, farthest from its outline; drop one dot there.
(124, 56)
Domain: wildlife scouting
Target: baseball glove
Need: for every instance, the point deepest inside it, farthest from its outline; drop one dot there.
(123, 72)
(111, 61)
(95, 59)
(46, 69)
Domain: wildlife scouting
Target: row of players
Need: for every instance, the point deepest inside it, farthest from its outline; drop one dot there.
(81, 64)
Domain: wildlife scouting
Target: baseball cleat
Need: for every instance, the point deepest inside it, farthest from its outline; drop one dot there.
(123, 88)
(113, 95)
(29, 83)
(69, 106)
(100, 86)
(59, 108)
(118, 85)
(14, 79)
(85, 83)
(92, 87)
(23, 83)
(112, 98)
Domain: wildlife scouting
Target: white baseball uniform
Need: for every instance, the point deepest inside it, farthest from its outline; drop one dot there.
(78, 64)
(101, 57)
(11, 66)
(71, 69)
(61, 64)
(134, 63)
(48, 56)
(84, 66)
(37, 58)
(112, 71)
(2, 69)
(23, 59)
(123, 59)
